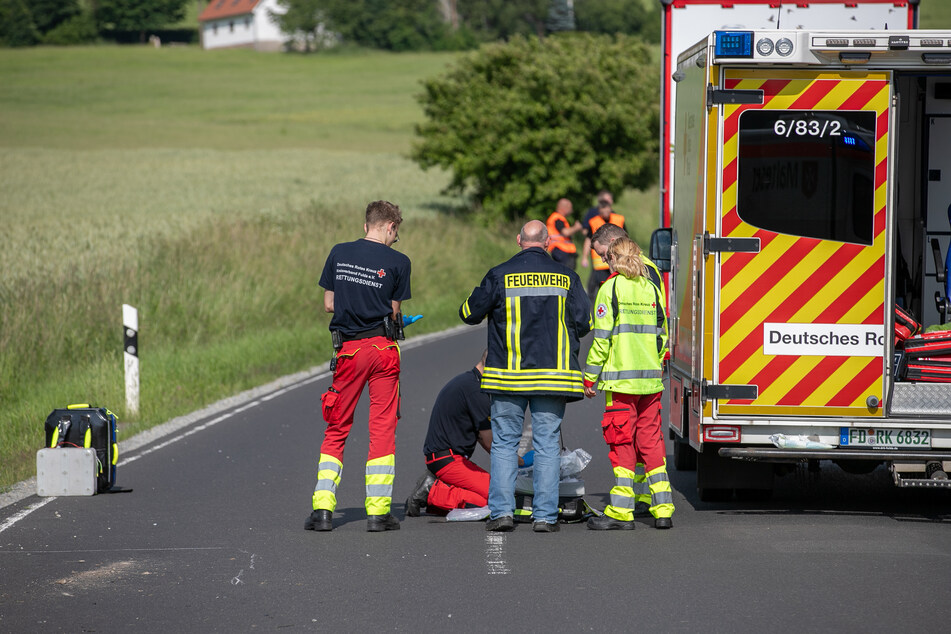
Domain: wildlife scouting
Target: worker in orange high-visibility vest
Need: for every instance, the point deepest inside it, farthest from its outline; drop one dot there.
(560, 230)
(597, 217)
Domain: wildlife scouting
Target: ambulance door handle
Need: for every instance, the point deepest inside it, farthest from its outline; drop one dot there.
(717, 97)
(713, 244)
(938, 264)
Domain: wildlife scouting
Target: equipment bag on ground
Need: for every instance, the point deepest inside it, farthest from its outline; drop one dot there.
(87, 427)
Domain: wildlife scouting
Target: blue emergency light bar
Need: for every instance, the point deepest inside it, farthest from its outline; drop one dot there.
(733, 44)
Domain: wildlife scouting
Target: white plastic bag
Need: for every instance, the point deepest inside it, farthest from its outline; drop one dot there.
(468, 515)
(797, 442)
(573, 462)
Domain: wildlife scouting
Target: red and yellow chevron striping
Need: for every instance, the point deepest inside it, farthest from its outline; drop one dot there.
(801, 280)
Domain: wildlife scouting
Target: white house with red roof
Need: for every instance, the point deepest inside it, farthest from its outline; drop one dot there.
(241, 24)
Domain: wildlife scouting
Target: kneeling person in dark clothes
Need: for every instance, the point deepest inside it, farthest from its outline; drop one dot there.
(459, 420)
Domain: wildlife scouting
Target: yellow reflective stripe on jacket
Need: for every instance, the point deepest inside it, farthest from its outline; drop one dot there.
(511, 380)
(512, 329)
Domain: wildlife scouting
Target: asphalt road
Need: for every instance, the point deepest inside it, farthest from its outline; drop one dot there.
(212, 539)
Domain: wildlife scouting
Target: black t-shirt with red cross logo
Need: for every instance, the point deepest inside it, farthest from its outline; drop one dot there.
(365, 277)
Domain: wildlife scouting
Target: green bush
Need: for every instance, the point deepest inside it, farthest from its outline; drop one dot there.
(522, 124)
(80, 29)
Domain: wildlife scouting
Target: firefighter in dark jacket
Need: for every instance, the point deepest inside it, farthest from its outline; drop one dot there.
(538, 311)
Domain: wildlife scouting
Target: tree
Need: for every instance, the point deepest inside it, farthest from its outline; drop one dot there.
(619, 16)
(304, 20)
(48, 14)
(394, 25)
(16, 24)
(503, 19)
(138, 15)
(522, 124)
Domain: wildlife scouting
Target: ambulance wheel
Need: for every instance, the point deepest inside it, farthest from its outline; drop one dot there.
(714, 495)
(754, 495)
(685, 457)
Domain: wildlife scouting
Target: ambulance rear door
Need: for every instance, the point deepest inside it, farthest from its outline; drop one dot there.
(800, 250)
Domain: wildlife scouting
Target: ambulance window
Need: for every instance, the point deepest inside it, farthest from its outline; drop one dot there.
(808, 173)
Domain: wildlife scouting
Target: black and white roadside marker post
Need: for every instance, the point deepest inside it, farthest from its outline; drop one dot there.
(130, 329)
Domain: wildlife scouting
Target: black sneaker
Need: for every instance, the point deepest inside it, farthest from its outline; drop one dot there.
(502, 524)
(320, 520)
(379, 523)
(545, 527)
(608, 523)
(420, 495)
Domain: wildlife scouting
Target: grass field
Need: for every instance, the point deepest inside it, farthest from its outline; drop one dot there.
(934, 14)
(204, 188)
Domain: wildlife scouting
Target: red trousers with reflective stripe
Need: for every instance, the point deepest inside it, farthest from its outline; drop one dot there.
(631, 427)
(459, 484)
(373, 362)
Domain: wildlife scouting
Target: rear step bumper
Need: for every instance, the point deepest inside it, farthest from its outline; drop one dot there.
(925, 483)
(785, 455)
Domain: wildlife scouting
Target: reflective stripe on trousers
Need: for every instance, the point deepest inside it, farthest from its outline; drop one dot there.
(380, 474)
(328, 478)
(622, 496)
(641, 492)
(662, 498)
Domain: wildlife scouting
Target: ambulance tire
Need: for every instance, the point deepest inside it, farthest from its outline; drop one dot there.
(754, 495)
(715, 495)
(713, 481)
(685, 457)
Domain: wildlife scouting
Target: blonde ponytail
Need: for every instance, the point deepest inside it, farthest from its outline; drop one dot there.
(626, 256)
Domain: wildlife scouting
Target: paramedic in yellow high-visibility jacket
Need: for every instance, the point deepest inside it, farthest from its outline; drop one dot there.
(626, 362)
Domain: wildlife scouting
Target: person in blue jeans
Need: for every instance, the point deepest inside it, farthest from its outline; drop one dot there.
(538, 312)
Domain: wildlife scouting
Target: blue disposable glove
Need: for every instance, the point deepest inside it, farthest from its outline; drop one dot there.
(528, 458)
(408, 319)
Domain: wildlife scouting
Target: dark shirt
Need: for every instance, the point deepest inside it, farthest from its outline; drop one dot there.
(365, 277)
(586, 223)
(460, 412)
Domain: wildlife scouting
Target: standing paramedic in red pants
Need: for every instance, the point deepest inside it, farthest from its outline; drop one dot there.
(365, 282)
(459, 420)
(626, 360)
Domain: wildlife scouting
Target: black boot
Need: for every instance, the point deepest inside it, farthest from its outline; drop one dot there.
(378, 523)
(319, 520)
(420, 495)
(608, 523)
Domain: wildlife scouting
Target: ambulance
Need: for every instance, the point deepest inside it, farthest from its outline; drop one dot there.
(809, 194)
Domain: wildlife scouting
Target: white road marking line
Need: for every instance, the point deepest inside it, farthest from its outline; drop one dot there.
(495, 555)
(322, 374)
(16, 517)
